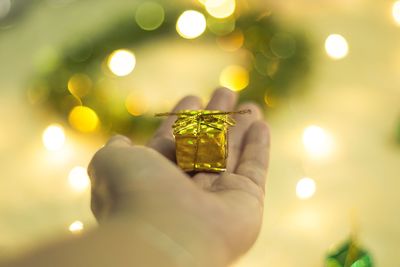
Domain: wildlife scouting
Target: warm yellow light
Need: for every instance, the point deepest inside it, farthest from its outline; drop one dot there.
(231, 42)
(220, 8)
(53, 137)
(135, 104)
(121, 62)
(336, 46)
(149, 16)
(191, 24)
(76, 227)
(78, 178)
(396, 12)
(234, 77)
(317, 141)
(305, 188)
(79, 85)
(83, 119)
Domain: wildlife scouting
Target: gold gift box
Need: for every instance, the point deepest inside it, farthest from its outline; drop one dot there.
(201, 138)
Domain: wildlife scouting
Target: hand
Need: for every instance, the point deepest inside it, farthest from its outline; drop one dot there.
(213, 217)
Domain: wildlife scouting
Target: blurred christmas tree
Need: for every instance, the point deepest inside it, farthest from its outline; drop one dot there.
(73, 84)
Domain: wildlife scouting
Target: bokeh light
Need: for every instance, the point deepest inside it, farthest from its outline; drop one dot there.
(336, 46)
(5, 6)
(221, 27)
(396, 12)
(234, 77)
(305, 188)
(76, 227)
(231, 42)
(191, 24)
(317, 141)
(121, 62)
(53, 137)
(135, 104)
(78, 178)
(79, 85)
(220, 8)
(149, 16)
(83, 119)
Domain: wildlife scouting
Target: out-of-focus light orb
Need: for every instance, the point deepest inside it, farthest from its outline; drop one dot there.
(76, 227)
(305, 188)
(78, 178)
(149, 16)
(234, 77)
(396, 12)
(317, 141)
(135, 104)
(220, 8)
(83, 119)
(191, 24)
(121, 62)
(336, 46)
(79, 85)
(53, 137)
(231, 42)
(5, 6)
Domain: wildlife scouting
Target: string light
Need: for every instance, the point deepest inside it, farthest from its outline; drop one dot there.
(149, 16)
(79, 179)
(231, 42)
(121, 62)
(79, 85)
(317, 141)
(76, 227)
(336, 46)
(5, 7)
(396, 12)
(83, 119)
(234, 77)
(191, 24)
(305, 188)
(53, 137)
(135, 104)
(220, 8)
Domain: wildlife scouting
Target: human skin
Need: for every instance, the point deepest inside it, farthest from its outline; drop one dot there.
(151, 213)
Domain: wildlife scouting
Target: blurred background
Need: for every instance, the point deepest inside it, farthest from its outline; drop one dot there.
(326, 73)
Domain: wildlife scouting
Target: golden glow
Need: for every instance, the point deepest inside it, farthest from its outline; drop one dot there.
(396, 12)
(305, 188)
(79, 85)
(234, 77)
(317, 141)
(336, 46)
(121, 62)
(135, 104)
(78, 178)
(53, 137)
(220, 8)
(83, 119)
(149, 16)
(231, 42)
(191, 24)
(76, 227)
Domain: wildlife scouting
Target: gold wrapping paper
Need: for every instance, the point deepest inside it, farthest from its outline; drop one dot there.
(201, 138)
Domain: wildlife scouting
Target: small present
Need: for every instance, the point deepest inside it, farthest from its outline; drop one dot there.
(201, 138)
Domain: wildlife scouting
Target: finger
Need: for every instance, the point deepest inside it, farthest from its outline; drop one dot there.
(253, 162)
(236, 134)
(222, 99)
(119, 140)
(163, 140)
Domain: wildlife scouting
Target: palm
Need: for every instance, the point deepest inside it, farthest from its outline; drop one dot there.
(226, 206)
